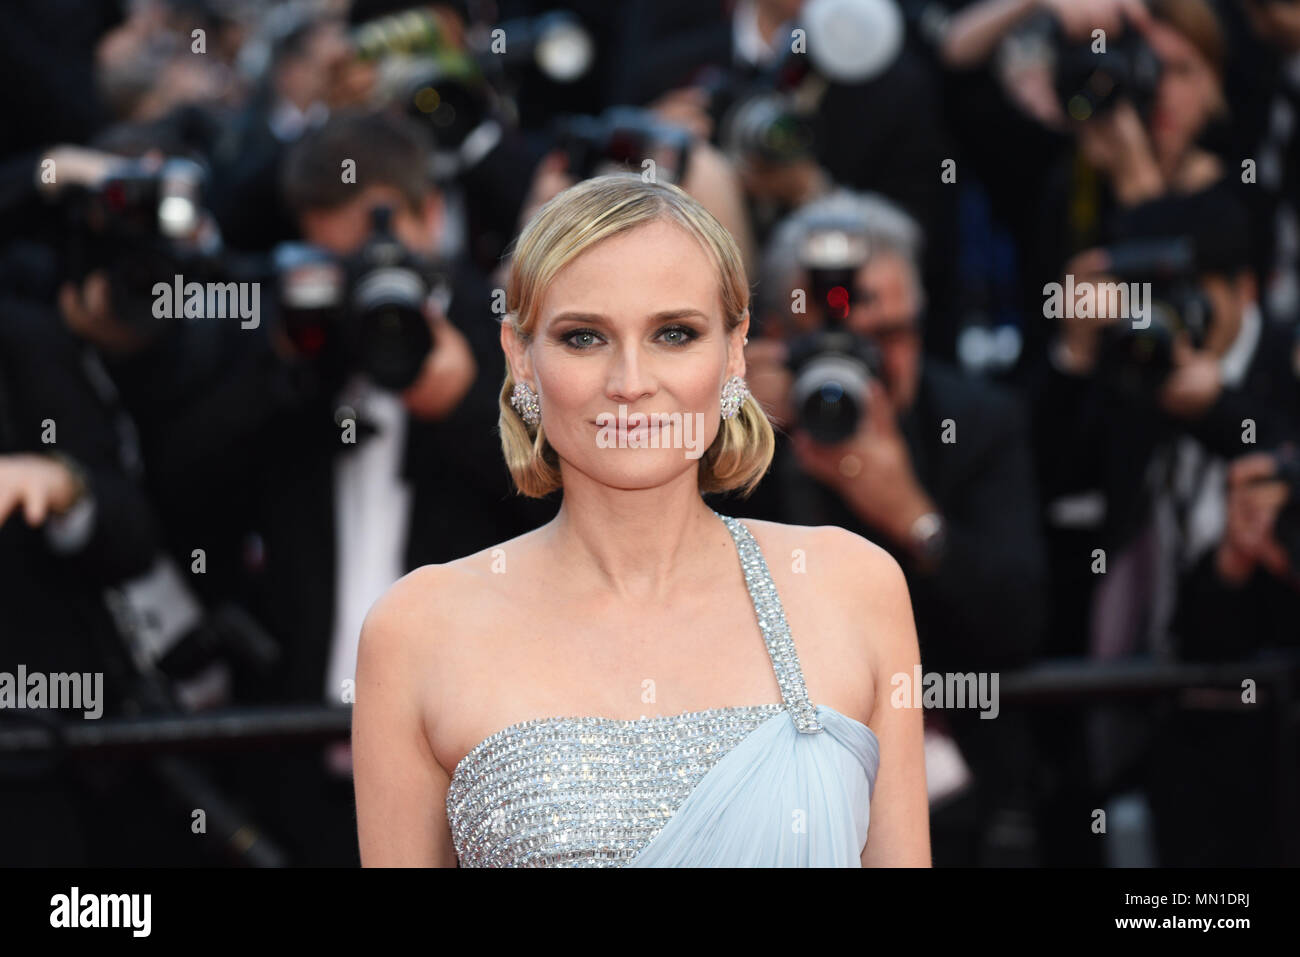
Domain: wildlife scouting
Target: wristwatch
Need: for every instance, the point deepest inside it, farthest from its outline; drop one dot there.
(928, 538)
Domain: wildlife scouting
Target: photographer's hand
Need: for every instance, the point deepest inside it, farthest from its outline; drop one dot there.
(687, 107)
(75, 165)
(43, 485)
(88, 313)
(448, 372)
(1195, 383)
(1080, 17)
(872, 472)
(1253, 507)
(1117, 144)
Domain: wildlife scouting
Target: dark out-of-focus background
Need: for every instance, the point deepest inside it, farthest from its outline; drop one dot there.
(203, 488)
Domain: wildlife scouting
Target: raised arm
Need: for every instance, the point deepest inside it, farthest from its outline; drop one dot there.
(401, 789)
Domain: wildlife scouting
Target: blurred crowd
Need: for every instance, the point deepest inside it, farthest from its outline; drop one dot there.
(1026, 279)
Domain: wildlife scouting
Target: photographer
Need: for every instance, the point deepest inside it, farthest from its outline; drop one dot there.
(936, 469)
(958, 514)
(394, 463)
(1135, 417)
(1243, 597)
(1141, 140)
(853, 105)
(73, 522)
(311, 72)
(1240, 602)
(423, 481)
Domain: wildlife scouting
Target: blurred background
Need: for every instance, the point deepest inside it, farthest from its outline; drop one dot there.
(252, 261)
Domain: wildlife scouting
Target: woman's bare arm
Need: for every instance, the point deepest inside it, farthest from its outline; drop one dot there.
(401, 789)
(899, 835)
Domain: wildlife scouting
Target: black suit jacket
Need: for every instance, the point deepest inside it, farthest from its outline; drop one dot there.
(462, 500)
(983, 606)
(54, 618)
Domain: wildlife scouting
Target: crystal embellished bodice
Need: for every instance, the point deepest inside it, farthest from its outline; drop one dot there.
(595, 791)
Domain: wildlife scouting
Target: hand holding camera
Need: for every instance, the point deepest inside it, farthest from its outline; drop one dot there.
(1195, 382)
(1106, 77)
(871, 471)
(1078, 18)
(1262, 525)
(1117, 143)
(87, 311)
(449, 371)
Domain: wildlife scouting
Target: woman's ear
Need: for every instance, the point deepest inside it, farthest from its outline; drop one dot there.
(736, 347)
(521, 368)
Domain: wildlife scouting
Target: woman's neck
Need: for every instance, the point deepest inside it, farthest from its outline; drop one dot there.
(639, 544)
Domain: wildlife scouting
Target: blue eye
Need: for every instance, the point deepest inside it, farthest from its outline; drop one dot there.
(686, 332)
(568, 338)
(681, 335)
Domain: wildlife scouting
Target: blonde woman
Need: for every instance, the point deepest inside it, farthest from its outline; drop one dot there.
(641, 682)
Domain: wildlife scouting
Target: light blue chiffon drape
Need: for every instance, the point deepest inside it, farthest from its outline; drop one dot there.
(778, 799)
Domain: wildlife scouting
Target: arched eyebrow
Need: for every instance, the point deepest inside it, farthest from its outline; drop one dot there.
(595, 318)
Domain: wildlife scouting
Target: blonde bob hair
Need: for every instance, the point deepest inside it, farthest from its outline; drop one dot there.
(565, 227)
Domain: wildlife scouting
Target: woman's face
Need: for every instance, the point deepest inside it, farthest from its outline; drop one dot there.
(636, 321)
(1187, 95)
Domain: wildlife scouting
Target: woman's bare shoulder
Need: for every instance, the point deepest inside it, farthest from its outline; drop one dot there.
(838, 552)
(433, 604)
(837, 562)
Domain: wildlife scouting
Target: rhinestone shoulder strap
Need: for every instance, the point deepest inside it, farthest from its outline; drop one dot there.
(772, 623)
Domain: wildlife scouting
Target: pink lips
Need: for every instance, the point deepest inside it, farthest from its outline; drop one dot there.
(621, 431)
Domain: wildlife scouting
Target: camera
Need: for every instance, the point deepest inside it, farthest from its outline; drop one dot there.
(622, 138)
(556, 44)
(770, 114)
(1137, 359)
(465, 95)
(363, 312)
(143, 223)
(1089, 83)
(832, 367)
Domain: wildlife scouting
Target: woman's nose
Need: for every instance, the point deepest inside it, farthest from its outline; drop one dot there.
(629, 377)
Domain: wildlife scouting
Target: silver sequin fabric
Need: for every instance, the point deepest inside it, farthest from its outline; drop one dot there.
(594, 791)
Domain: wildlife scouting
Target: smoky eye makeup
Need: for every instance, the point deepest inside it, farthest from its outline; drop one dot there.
(581, 338)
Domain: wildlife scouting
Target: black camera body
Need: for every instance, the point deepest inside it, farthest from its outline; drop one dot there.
(771, 112)
(141, 225)
(1090, 83)
(620, 139)
(833, 367)
(763, 115)
(466, 95)
(1138, 358)
(363, 312)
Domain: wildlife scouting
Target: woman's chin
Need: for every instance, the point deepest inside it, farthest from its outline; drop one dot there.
(634, 469)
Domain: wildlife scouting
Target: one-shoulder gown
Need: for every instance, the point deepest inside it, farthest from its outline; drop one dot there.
(768, 785)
